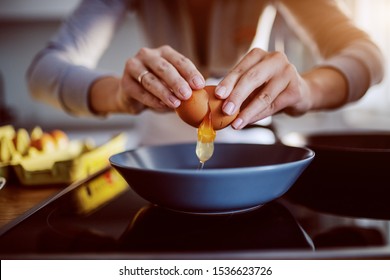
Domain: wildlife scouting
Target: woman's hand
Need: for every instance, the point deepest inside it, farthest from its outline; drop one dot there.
(159, 78)
(262, 84)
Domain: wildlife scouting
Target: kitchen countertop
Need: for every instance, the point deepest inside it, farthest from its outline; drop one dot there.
(92, 228)
(16, 199)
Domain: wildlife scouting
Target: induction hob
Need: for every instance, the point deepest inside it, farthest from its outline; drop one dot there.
(101, 218)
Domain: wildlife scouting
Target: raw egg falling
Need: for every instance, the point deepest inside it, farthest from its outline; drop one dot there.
(204, 112)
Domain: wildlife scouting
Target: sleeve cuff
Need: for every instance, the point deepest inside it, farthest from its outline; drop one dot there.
(74, 96)
(357, 76)
(361, 65)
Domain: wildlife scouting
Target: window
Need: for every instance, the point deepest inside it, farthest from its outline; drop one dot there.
(373, 110)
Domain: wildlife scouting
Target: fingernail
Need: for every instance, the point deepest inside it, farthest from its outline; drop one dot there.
(237, 123)
(185, 92)
(175, 102)
(198, 82)
(229, 108)
(220, 91)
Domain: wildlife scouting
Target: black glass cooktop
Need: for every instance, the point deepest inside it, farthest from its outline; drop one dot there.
(103, 218)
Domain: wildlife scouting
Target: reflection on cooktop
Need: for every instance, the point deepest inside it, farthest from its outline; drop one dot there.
(153, 228)
(81, 221)
(270, 227)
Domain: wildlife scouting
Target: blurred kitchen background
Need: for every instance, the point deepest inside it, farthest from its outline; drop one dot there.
(26, 25)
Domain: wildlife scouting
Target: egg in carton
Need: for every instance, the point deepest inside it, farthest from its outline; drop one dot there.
(43, 158)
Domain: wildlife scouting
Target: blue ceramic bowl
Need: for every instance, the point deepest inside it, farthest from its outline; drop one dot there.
(238, 177)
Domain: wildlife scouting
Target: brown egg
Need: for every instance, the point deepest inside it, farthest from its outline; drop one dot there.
(193, 110)
(45, 143)
(60, 138)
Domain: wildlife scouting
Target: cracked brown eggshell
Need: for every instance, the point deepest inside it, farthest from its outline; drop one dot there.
(194, 110)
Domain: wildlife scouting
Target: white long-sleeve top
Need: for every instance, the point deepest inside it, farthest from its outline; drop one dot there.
(62, 73)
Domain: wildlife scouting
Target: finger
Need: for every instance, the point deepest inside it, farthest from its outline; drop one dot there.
(184, 66)
(225, 87)
(152, 84)
(270, 66)
(263, 102)
(163, 69)
(135, 68)
(166, 72)
(132, 90)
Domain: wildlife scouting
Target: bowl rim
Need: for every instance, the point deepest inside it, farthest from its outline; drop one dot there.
(213, 171)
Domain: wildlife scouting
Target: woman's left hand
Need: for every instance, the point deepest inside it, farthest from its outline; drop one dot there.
(262, 84)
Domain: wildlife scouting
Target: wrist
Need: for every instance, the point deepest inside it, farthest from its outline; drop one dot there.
(327, 88)
(103, 95)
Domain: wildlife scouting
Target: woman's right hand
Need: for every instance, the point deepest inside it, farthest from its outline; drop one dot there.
(158, 79)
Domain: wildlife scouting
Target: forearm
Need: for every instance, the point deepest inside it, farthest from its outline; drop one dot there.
(64, 71)
(327, 88)
(53, 80)
(106, 97)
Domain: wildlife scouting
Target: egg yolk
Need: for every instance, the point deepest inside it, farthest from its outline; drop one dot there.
(205, 143)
